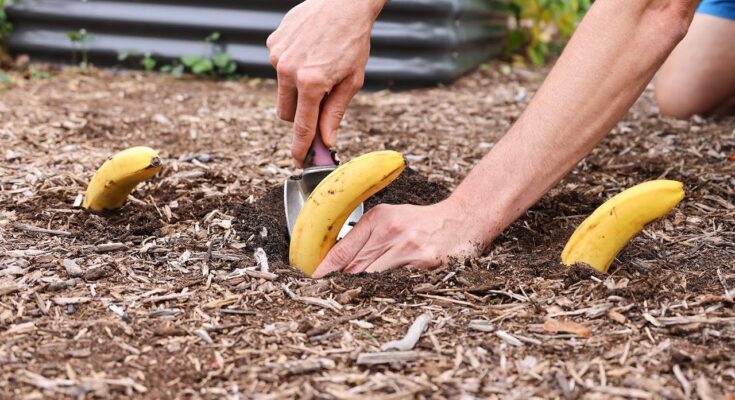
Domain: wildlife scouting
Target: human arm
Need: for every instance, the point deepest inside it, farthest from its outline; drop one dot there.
(320, 47)
(606, 65)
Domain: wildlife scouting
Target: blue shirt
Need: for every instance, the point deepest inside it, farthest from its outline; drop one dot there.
(718, 8)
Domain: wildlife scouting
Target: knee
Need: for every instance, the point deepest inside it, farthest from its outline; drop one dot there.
(674, 102)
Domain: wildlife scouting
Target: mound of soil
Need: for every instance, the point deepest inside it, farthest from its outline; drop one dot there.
(130, 223)
(266, 215)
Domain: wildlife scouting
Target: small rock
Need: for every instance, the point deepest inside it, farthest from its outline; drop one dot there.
(72, 268)
(161, 119)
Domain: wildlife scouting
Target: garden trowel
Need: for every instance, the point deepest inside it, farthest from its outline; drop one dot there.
(319, 163)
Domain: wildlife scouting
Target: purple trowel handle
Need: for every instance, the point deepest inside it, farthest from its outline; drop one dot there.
(319, 155)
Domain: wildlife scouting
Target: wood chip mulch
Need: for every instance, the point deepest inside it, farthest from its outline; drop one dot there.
(167, 298)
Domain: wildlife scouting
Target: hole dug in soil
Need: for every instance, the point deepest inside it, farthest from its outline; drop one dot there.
(268, 212)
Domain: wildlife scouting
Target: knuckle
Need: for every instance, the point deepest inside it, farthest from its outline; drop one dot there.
(270, 42)
(358, 81)
(394, 228)
(338, 113)
(311, 81)
(301, 131)
(375, 211)
(340, 255)
(285, 67)
(283, 114)
(411, 240)
(274, 60)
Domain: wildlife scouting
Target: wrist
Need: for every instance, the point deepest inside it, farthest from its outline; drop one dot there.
(482, 221)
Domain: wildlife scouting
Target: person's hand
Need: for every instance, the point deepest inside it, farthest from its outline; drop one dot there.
(320, 47)
(392, 236)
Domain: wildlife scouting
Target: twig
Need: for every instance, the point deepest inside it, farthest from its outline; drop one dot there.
(412, 336)
(387, 357)
(685, 384)
(508, 338)
(341, 320)
(105, 247)
(35, 229)
(166, 297)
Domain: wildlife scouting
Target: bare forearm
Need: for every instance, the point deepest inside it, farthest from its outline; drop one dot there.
(605, 67)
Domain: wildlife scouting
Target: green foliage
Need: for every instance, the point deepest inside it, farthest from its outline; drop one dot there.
(38, 74)
(5, 26)
(219, 65)
(212, 37)
(79, 39)
(148, 62)
(198, 64)
(80, 36)
(176, 69)
(123, 55)
(226, 66)
(5, 79)
(542, 26)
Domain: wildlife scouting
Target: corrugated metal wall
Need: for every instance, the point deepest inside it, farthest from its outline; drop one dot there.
(414, 42)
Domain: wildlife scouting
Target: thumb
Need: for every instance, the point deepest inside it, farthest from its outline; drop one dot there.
(334, 109)
(340, 256)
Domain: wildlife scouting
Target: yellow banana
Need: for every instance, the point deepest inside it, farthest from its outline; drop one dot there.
(118, 176)
(332, 201)
(608, 229)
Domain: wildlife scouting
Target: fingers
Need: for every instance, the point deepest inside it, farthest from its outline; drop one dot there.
(391, 259)
(310, 94)
(336, 105)
(286, 99)
(287, 94)
(345, 250)
(395, 258)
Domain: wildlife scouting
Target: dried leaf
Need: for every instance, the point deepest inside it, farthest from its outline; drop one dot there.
(554, 326)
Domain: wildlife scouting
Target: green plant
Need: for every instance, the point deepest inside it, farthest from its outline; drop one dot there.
(148, 62)
(212, 37)
(219, 65)
(123, 55)
(5, 28)
(38, 74)
(5, 79)
(80, 39)
(542, 26)
(198, 64)
(176, 69)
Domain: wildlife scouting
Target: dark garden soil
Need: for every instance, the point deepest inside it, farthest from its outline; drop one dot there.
(165, 299)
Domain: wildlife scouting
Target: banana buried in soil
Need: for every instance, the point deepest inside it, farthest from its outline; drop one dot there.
(332, 201)
(118, 176)
(600, 237)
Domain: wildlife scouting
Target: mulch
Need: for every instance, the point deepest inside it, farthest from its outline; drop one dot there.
(167, 299)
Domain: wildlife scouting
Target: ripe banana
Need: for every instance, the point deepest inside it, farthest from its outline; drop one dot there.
(608, 229)
(332, 201)
(118, 176)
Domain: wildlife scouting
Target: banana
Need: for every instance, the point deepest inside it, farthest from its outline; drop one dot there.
(117, 177)
(601, 236)
(332, 201)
